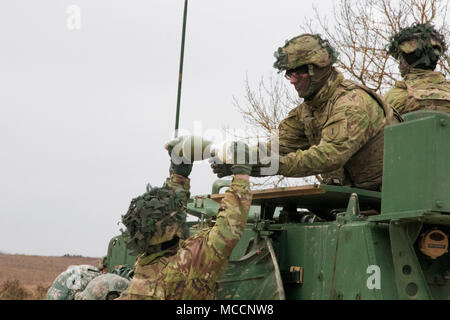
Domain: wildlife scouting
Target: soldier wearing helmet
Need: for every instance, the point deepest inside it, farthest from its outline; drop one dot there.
(72, 281)
(108, 286)
(169, 266)
(338, 129)
(418, 50)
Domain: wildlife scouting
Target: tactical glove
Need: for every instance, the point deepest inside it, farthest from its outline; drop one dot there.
(177, 165)
(183, 169)
(232, 159)
(221, 170)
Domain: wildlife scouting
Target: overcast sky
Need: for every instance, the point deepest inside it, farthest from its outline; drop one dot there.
(84, 113)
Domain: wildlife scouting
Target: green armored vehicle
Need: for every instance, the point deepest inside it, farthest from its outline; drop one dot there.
(333, 242)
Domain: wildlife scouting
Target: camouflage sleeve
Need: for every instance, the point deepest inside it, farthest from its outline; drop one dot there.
(228, 229)
(291, 133)
(290, 138)
(204, 256)
(232, 218)
(179, 183)
(354, 119)
(397, 98)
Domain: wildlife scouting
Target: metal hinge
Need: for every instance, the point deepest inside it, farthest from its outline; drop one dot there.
(294, 275)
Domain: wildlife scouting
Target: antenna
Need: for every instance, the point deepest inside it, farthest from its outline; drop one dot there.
(180, 74)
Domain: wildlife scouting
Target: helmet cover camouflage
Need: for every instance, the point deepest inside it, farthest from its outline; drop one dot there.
(303, 50)
(105, 287)
(73, 280)
(155, 217)
(422, 39)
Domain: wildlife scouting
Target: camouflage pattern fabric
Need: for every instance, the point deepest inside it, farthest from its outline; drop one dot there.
(339, 131)
(156, 216)
(105, 287)
(305, 49)
(73, 280)
(190, 269)
(420, 90)
(422, 41)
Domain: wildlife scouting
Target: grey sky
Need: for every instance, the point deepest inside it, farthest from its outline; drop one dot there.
(84, 114)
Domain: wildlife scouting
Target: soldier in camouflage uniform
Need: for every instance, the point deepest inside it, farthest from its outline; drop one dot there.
(168, 266)
(70, 282)
(338, 130)
(418, 49)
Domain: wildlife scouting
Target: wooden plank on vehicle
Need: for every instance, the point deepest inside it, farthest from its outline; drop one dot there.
(277, 193)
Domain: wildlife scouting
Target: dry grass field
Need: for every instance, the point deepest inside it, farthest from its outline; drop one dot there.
(29, 277)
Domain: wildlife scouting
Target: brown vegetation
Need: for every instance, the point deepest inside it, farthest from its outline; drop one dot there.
(29, 277)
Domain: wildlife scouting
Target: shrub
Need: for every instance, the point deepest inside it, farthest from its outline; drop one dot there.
(13, 290)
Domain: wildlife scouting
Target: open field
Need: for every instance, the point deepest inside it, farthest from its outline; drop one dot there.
(28, 277)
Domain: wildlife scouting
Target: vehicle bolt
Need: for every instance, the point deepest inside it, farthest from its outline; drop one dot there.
(443, 122)
(320, 277)
(439, 204)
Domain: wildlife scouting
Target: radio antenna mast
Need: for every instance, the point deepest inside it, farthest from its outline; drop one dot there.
(180, 74)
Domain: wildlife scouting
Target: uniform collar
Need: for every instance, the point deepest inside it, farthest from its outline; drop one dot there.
(415, 74)
(145, 259)
(327, 91)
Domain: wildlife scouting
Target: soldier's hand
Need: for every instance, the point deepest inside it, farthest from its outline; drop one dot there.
(221, 169)
(177, 162)
(183, 169)
(233, 159)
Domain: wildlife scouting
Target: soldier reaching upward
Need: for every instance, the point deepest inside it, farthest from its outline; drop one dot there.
(338, 130)
(169, 265)
(418, 49)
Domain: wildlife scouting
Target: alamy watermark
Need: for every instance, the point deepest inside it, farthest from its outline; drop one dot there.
(374, 280)
(73, 20)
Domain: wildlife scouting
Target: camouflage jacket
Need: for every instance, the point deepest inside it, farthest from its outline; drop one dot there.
(420, 89)
(339, 132)
(189, 271)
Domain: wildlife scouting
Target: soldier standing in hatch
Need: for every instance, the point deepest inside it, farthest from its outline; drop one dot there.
(418, 49)
(168, 266)
(338, 130)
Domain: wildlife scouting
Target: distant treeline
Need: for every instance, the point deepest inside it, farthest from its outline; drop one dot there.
(72, 256)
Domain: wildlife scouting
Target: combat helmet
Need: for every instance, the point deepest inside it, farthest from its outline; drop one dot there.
(73, 280)
(153, 218)
(421, 45)
(105, 287)
(305, 49)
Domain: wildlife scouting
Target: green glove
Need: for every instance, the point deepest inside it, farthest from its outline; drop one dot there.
(183, 169)
(238, 153)
(221, 170)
